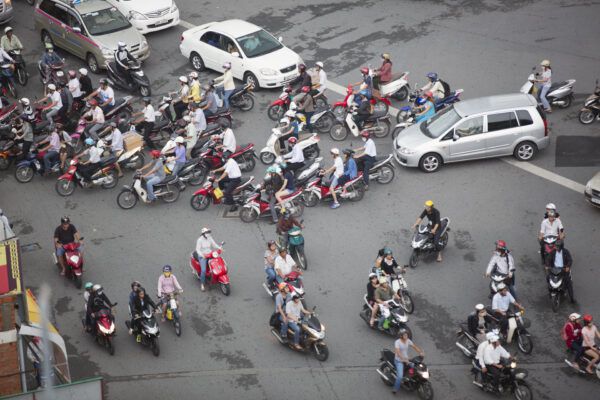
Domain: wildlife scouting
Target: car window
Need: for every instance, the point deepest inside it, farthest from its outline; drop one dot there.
(440, 123)
(50, 8)
(212, 38)
(258, 43)
(229, 45)
(74, 22)
(103, 22)
(498, 122)
(470, 127)
(524, 117)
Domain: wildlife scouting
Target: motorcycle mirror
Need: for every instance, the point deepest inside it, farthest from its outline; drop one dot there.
(222, 243)
(81, 238)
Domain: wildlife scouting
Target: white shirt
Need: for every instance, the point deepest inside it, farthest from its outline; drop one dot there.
(97, 115)
(94, 153)
(149, 114)
(205, 245)
(339, 167)
(226, 80)
(199, 120)
(480, 350)
(370, 149)
(116, 139)
(322, 81)
(232, 169)
(293, 308)
(109, 93)
(547, 74)
(501, 303)
(228, 140)
(75, 87)
(504, 264)
(296, 155)
(55, 98)
(492, 355)
(285, 266)
(551, 228)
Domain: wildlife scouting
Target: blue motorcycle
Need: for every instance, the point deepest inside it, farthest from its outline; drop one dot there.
(440, 104)
(33, 164)
(8, 80)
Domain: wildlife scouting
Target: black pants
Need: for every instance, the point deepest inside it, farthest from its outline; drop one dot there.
(578, 349)
(502, 321)
(295, 166)
(494, 374)
(179, 108)
(26, 148)
(229, 185)
(367, 163)
(147, 126)
(87, 170)
(360, 120)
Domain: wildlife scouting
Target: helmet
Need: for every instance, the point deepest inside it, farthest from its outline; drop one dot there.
(402, 332)
(290, 113)
(100, 143)
(25, 101)
(494, 338)
(83, 71)
(194, 75)
(365, 134)
(429, 203)
(97, 288)
(574, 316)
(372, 275)
(432, 75)
(479, 307)
(550, 206)
(587, 318)
(319, 64)
(545, 63)
(335, 151)
(421, 100)
(501, 244)
(178, 139)
(167, 268)
(51, 86)
(121, 45)
(387, 251)
(112, 124)
(89, 141)
(65, 220)
(364, 70)
(501, 286)
(72, 73)
(292, 140)
(429, 93)
(283, 165)
(348, 152)
(227, 65)
(49, 46)
(187, 118)
(284, 121)
(272, 170)
(205, 230)
(134, 284)
(301, 67)
(383, 279)
(146, 99)
(155, 153)
(293, 106)
(224, 123)
(305, 89)
(183, 79)
(385, 56)
(363, 93)
(282, 286)
(88, 285)
(7, 29)
(103, 81)
(490, 335)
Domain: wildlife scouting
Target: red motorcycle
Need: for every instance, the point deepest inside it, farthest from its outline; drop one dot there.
(316, 191)
(339, 108)
(105, 176)
(213, 159)
(73, 263)
(256, 206)
(105, 329)
(280, 105)
(208, 193)
(216, 271)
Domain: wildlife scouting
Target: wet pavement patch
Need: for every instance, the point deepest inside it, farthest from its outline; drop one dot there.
(463, 240)
(237, 360)
(63, 305)
(437, 322)
(30, 247)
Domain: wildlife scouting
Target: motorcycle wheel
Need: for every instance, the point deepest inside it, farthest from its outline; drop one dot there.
(444, 240)
(64, 187)
(313, 152)
(155, 347)
(320, 103)
(113, 181)
(78, 281)
(301, 257)
(297, 209)
(199, 202)
(246, 102)
(4, 163)
(177, 325)
(464, 340)
(267, 158)
(13, 90)
(524, 343)
(324, 123)
(385, 369)
(248, 214)
(127, 199)
(383, 129)
(227, 121)
(522, 391)
(425, 391)
(24, 174)
(414, 259)
(320, 351)
(568, 101)
(586, 116)
(407, 302)
(386, 175)
(310, 199)
(172, 193)
(225, 288)
(275, 112)
(339, 111)
(401, 94)
(22, 77)
(555, 301)
(198, 175)
(380, 106)
(110, 345)
(338, 132)
(145, 91)
(359, 190)
(249, 163)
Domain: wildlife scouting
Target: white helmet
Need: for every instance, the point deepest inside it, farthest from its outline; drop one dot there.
(574, 316)
(183, 79)
(194, 75)
(227, 65)
(293, 106)
(100, 144)
(178, 139)
(187, 118)
(51, 86)
(83, 71)
(489, 335)
(501, 286)
(290, 113)
(121, 45)
(8, 29)
(204, 231)
(335, 151)
(494, 338)
(319, 64)
(550, 206)
(25, 101)
(284, 120)
(479, 307)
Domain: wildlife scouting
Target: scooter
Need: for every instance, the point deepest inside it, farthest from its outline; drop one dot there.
(591, 107)
(294, 286)
(105, 176)
(511, 380)
(20, 67)
(150, 330)
(172, 312)
(279, 106)
(213, 159)
(312, 336)
(422, 242)
(167, 191)
(216, 271)
(242, 97)
(32, 164)
(316, 191)
(378, 123)
(256, 206)
(308, 142)
(309, 171)
(73, 263)
(210, 192)
(8, 81)
(382, 170)
(394, 315)
(136, 80)
(105, 329)
(397, 88)
(548, 246)
(416, 374)
(55, 75)
(581, 365)
(557, 286)
(560, 93)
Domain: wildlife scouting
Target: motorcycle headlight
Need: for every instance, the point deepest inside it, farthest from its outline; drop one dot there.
(555, 284)
(425, 374)
(268, 71)
(136, 16)
(152, 329)
(139, 73)
(74, 259)
(521, 375)
(513, 365)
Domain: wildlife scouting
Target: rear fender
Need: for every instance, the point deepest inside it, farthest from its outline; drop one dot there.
(24, 163)
(202, 191)
(278, 102)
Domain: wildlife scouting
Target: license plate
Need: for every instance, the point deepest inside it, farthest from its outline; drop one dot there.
(162, 22)
(596, 201)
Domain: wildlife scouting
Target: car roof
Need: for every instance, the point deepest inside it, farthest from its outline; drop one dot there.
(86, 6)
(494, 103)
(235, 27)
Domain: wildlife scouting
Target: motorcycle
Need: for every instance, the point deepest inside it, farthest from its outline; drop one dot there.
(9, 151)
(382, 170)
(210, 192)
(557, 286)
(466, 342)
(560, 93)
(312, 336)
(105, 329)
(172, 312)
(581, 365)
(422, 242)
(322, 120)
(32, 164)
(167, 191)
(150, 330)
(242, 97)
(517, 326)
(511, 380)
(397, 88)
(548, 246)
(255, 205)
(591, 107)
(439, 104)
(73, 263)
(216, 271)
(20, 68)
(135, 80)
(8, 81)
(316, 191)
(394, 315)
(294, 285)
(132, 159)
(416, 374)
(278, 107)
(55, 74)
(295, 246)
(105, 176)
(309, 143)
(378, 123)
(213, 159)
(400, 287)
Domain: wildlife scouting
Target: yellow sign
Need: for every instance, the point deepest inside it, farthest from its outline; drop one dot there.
(10, 268)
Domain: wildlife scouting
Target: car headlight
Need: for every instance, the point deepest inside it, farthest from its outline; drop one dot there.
(174, 7)
(268, 71)
(406, 151)
(588, 188)
(137, 16)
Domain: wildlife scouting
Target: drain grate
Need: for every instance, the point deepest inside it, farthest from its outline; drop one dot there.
(30, 247)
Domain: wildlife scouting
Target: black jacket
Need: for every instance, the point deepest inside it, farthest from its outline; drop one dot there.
(304, 79)
(473, 322)
(567, 259)
(137, 305)
(86, 85)
(96, 302)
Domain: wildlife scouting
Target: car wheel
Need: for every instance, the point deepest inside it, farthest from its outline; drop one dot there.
(92, 63)
(250, 78)
(525, 151)
(197, 62)
(430, 162)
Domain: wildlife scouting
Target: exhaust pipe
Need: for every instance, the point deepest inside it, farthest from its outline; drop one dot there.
(464, 350)
(384, 376)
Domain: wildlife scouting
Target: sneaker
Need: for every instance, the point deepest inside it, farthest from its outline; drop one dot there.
(138, 338)
(202, 287)
(335, 205)
(130, 331)
(366, 187)
(284, 340)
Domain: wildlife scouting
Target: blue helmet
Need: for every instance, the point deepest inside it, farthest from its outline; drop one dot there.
(433, 76)
(421, 101)
(167, 268)
(364, 93)
(89, 141)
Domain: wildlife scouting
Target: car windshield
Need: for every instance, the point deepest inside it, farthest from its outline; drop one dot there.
(258, 43)
(440, 123)
(105, 21)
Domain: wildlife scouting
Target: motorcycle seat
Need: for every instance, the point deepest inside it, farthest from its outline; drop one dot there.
(377, 114)
(388, 356)
(118, 103)
(236, 91)
(211, 126)
(557, 85)
(242, 147)
(161, 123)
(107, 161)
(41, 125)
(168, 179)
(243, 184)
(221, 110)
(39, 138)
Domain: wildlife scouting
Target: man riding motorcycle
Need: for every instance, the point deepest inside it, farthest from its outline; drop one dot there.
(284, 265)
(280, 301)
(204, 245)
(48, 59)
(303, 79)
(156, 173)
(10, 41)
(64, 234)
(500, 305)
(167, 285)
(105, 94)
(492, 354)
(140, 303)
(433, 216)
(122, 59)
(295, 158)
(561, 258)
(503, 262)
(366, 156)
(96, 302)
(550, 226)
(87, 168)
(383, 294)
(364, 110)
(285, 224)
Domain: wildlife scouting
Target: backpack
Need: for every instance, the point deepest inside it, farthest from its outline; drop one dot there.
(446, 88)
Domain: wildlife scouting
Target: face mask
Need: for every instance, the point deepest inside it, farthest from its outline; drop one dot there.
(364, 139)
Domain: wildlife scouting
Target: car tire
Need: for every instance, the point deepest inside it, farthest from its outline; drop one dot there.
(92, 63)
(430, 162)
(249, 77)
(525, 151)
(197, 61)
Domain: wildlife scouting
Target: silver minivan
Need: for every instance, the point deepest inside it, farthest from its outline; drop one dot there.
(494, 126)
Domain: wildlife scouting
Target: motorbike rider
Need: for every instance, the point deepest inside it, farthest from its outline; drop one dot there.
(503, 262)
(179, 157)
(181, 102)
(105, 94)
(305, 105)
(270, 255)
(434, 86)
(273, 184)
(198, 118)
(364, 110)
(190, 135)
(433, 216)
(372, 285)
(545, 83)
(480, 351)
(135, 288)
(295, 158)
(303, 79)
(167, 285)
(94, 118)
(85, 81)
(67, 100)
(320, 86)
(366, 83)
(96, 302)
(140, 303)
(148, 119)
(52, 150)
(383, 294)
(289, 125)
(225, 84)
(383, 74)
(551, 207)
(284, 225)
(280, 302)
(492, 355)
(212, 105)
(74, 87)
(425, 109)
(479, 322)
(55, 105)
(86, 297)
(500, 305)
(24, 133)
(385, 263)
(336, 170)
(350, 171)
(287, 186)
(561, 258)
(49, 59)
(366, 156)
(401, 346)
(551, 226)
(571, 334)
(156, 173)
(589, 332)
(115, 136)
(122, 59)
(195, 95)
(294, 310)
(87, 168)
(229, 180)
(10, 41)
(227, 137)
(204, 245)
(284, 265)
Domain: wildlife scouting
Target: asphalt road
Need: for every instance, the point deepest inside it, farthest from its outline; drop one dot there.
(226, 349)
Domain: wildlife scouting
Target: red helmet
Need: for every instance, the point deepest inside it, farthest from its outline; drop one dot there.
(93, 102)
(365, 134)
(292, 140)
(364, 70)
(305, 89)
(587, 318)
(501, 244)
(429, 93)
(155, 153)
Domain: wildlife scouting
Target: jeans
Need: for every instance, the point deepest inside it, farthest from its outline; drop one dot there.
(399, 374)
(577, 348)
(543, 98)
(272, 209)
(226, 95)
(368, 162)
(270, 271)
(50, 115)
(284, 327)
(308, 115)
(177, 167)
(203, 266)
(296, 329)
(150, 182)
(49, 158)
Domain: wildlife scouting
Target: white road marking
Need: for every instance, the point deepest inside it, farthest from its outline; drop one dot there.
(525, 166)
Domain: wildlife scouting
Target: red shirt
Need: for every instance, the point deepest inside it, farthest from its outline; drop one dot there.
(573, 333)
(385, 72)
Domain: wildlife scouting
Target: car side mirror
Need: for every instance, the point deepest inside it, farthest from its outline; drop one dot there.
(236, 54)
(280, 38)
(455, 137)
(76, 29)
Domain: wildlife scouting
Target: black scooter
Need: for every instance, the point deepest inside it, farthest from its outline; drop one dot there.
(136, 79)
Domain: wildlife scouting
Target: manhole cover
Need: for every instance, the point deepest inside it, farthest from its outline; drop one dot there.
(30, 247)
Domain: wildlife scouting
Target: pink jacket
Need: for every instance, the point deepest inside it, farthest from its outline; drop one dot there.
(167, 285)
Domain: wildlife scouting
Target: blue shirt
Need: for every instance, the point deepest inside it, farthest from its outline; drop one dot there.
(430, 113)
(295, 125)
(350, 169)
(212, 99)
(180, 154)
(290, 180)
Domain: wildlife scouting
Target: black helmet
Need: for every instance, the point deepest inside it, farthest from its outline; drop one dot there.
(135, 284)
(301, 67)
(348, 152)
(65, 220)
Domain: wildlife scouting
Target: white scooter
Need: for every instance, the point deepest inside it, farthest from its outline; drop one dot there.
(397, 88)
(378, 123)
(167, 190)
(308, 142)
(560, 93)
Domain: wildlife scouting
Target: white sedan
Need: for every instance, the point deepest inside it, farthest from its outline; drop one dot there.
(149, 15)
(255, 55)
